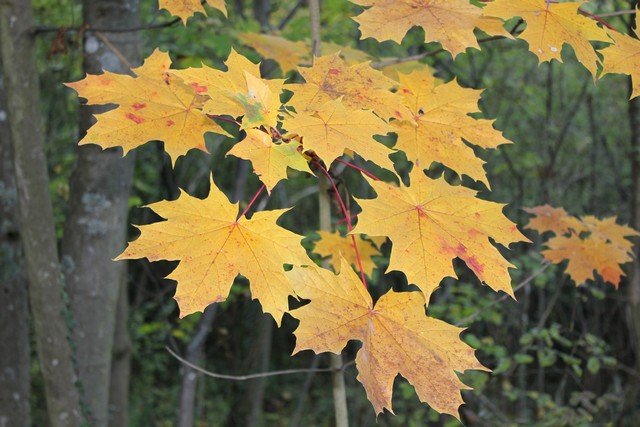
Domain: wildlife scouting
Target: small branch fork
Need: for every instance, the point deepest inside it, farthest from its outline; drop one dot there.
(254, 376)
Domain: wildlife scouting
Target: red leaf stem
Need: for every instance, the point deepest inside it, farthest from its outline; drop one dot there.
(369, 174)
(252, 201)
(348, 219)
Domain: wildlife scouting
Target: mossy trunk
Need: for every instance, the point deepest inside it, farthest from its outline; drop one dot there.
(96, 227)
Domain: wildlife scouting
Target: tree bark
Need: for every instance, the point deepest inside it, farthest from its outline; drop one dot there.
(37, 231)
(14, 309)
(96, 227)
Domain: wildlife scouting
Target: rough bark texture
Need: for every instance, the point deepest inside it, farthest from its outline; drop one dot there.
(95, 229)
(14, 325)
(35, 212)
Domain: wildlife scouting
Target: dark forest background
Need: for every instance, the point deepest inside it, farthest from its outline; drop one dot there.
(561, 354)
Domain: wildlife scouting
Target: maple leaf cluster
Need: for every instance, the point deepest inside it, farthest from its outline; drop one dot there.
(335, 114)
(590, 244)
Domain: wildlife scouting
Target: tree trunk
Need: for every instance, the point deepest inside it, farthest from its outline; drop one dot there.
(120, 362)
(14, 325)
(187, 408)
(255, 387)
(633, 292)
(35, 214)
(96, 227)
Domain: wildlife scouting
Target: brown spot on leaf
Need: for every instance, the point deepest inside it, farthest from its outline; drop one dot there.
(170, 123)
(334, 72)
(134, 118)
(138, 106)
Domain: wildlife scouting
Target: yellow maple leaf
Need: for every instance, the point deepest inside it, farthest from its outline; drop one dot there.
(187, 8)
(333, 129)
(551, 25)
(359, 85)
(288, 54)
(442, 123)
(214, 246)
(430, 223)
(336, 246)
(154, 105)
(586, 256)
(397, 337)
(449, 22)
(239, 91)
(269, 159)
(623, 57)
(557, 220)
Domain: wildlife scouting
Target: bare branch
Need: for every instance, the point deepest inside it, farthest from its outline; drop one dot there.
(253, 376)
(498, 300)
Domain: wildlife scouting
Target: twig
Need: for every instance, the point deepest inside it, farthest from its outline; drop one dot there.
(253, 376)
(521, 285)
(291, 14)
(114, 49)
(382, 64)
(43, 29)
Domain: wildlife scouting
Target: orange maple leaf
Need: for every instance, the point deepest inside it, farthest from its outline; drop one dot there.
(430, 223)
(336, 246)
(214, 246)
(442, 123)
(551, 25)
(556, 220)
(608, 230)
(591, 244)
(586, 256)
(397, 337)
(332, 129)
(187, 8)
(152, 106)
(449, 22)
(359, 85)
(270, 160)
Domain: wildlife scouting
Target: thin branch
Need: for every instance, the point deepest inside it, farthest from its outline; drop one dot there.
(253, 376)
(44, 29)
(617, 13)
(291, 14)
(113, 49)
(498, 300)
(393, 61)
